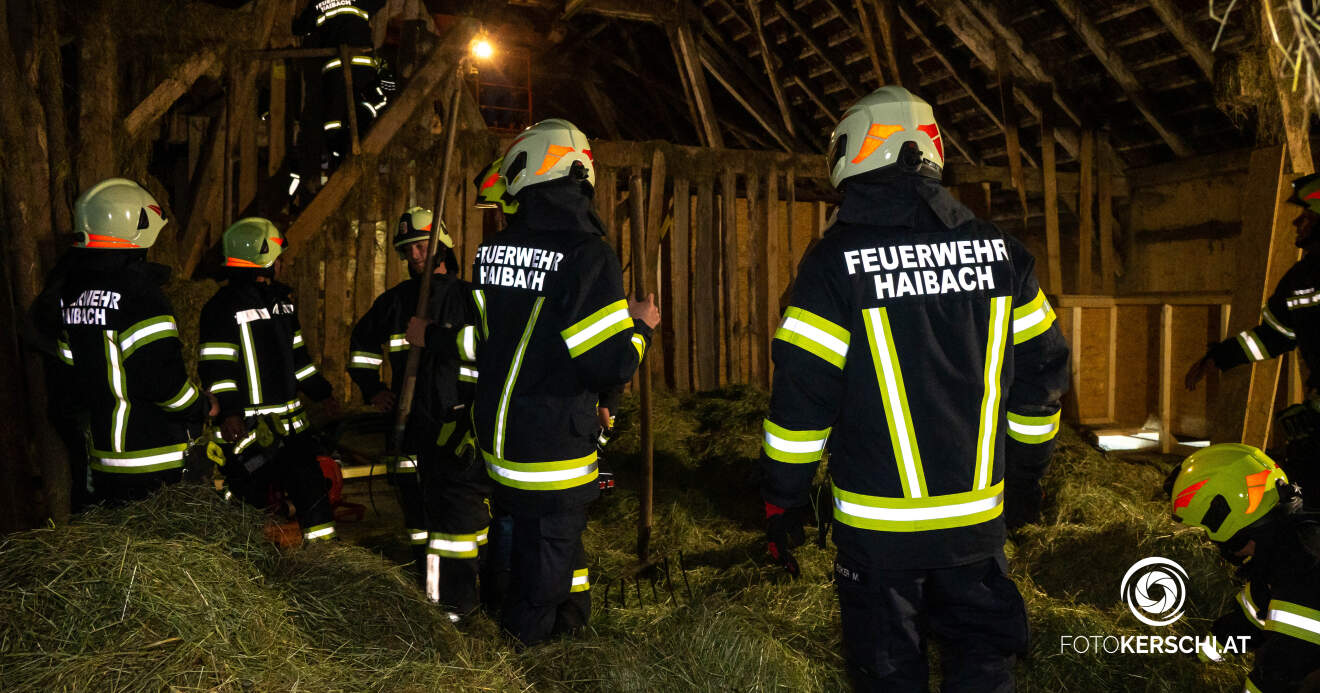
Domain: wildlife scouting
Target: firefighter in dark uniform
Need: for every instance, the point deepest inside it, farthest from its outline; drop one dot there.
(331, 24)
(1285, 322)
(254, 360)
(120, 342)
(919, 348)
(1249, 510)
(446, 512)
(554, 329)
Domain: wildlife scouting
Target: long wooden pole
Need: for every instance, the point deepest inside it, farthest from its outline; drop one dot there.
(424, 297)
(638, 226)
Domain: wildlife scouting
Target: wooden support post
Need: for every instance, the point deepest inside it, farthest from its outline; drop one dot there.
(338, 305)
(606, 194)
(1265, 253)
(768, 60)
(1111, 383)
(680, 265)
(276, 127)
(891, 34)
(771, 277)
(1085, 218)
(159, 101)
(1167, 441)
(249, 163)
(791, 251)
(1009, 118)
(650, 256)
(1053, 260)
(364, 274)
(1106, 215)
(759, 314)
(98, 76)
(868, 39)
(346, 69)
(1075, 354)
(641, 286)
(705, 325)
(688, 52)
(735, 319)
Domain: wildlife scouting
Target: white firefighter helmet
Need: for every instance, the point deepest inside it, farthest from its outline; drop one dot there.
(544, 152)
(872, 133)
(117, 213)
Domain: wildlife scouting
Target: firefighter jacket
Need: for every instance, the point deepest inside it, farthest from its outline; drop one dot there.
(121, 343)
(252, 354)
(332, 23)
(920, 348)
(1289, 319)
(1278, 610)
(553, 331)
(445, 384)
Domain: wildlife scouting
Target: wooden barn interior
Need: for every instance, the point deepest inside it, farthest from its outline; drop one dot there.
(1142, 149)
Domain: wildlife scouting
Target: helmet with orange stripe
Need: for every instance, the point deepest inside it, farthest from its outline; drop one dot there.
(252, 243)
(492, 191)
(1225, 488)
(547, 151)
(117, 214)
(874, 131)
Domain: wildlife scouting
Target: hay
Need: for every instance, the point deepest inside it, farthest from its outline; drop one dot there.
(182, 591)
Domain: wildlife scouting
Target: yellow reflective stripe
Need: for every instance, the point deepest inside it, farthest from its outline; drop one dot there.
(218, 351)
(416, 537)
(250, 360)
(479, 298)
(1268, 317)
(184, 399)
(140, 461)
(1032, 319)
(639, 345)
(1208, 650)
(66, 352)
(1249, 687)
(502, 411)
(398, 342)
(889, 375)
(453, 545)
(590, 331)
(118, 387)
(1249, 607)
(1033, 429)
(467, 373)
(1294, 619)
(1252, 346)
(814, 334)
(918, 514)
(146, 332)
(297, 339)
(994, 361)
(467, 343)
(322, 532)
(223, 386)
(785, 445)
(581, 582)
(305, 372)
(542, 476)
(355, 11)
(365, 359)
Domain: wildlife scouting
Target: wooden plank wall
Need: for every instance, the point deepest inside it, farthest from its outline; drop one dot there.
(731, 238)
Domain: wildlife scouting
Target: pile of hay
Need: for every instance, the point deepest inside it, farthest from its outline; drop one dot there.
(182, 591)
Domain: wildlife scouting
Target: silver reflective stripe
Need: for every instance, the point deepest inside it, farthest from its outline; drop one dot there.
(366, 360)
(128, 341)
(453, 546)
(407, 463)
(185, 397)
(502, 412)
(550, 476)
(297, 339)
(319, 532)
(128, 462)
(115, 365)
(994, 360)
(938, 512)
(1252, 345)
(250, 361)
(219, 351)
(243, 317)
(224, 386)
(1272, 321)
(306, 372)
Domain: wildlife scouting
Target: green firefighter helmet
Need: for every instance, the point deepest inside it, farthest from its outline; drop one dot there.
(1306, 192)
(252, 243)
(117, 214)
(1224, 488)
(415, 225)
(493, 190)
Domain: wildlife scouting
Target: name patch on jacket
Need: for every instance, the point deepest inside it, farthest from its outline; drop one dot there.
(926, 269)
(90, 307)
(516, 266)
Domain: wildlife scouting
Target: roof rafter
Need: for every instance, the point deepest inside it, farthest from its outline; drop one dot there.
(802, 27)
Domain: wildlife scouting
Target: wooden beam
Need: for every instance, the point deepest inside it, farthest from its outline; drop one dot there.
(662, 13)
(441, 62)
(755, 107)
(891, 34)
(869, 41)
(167, 92)
(959, 69)
(704, 298)
(205, 211)
(802, 26)
(1105, 183)
(571, 7)
(1012, 139)
(1118, 69)
(1175, 21)
(688, 52)
(1051, 189)
(770, 246)
(98, 74)
(767, 59)
(679, 300)
(275, 125)
(735, 320)
(1167, 441)
(346, 69)
(815, 98)
(603, 109)
(1085, 222)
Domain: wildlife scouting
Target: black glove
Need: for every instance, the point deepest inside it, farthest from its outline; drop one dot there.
(783, 531)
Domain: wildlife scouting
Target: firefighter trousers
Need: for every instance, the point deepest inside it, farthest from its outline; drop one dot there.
(455, 489)
(549, 591)
(974, 611)
(293, 469)
(112, 488)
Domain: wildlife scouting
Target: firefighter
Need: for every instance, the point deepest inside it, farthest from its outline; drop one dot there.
(446, 512)
(554, 329)
(254, 360)
(120, 342)
(919, 347)
(1253, 515)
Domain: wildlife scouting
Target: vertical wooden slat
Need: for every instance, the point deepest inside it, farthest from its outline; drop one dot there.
(650, 255)
(249, 162)
(771, 277)
(1075, 345)
(1085, 219)
(337, 307)
(364, 279)
(275, 125)
(605, 195)
(1167, 440)
(1111, 408)
(1106, 213)
(734, 318)
(399, 199)
(1053, 260)
(705, 328)
(679, 268)
(791, 251)
(756, 234)
(822, 220)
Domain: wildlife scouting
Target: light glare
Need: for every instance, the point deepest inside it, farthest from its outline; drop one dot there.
(481, 48)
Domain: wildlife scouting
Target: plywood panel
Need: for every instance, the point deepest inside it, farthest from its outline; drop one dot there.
(1093, 374)
(1192, 330)
(1138, 378)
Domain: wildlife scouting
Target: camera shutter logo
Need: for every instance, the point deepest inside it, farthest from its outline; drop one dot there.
(1155, 590)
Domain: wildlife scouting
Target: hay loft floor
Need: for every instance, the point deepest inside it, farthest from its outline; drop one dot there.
(182, 592)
